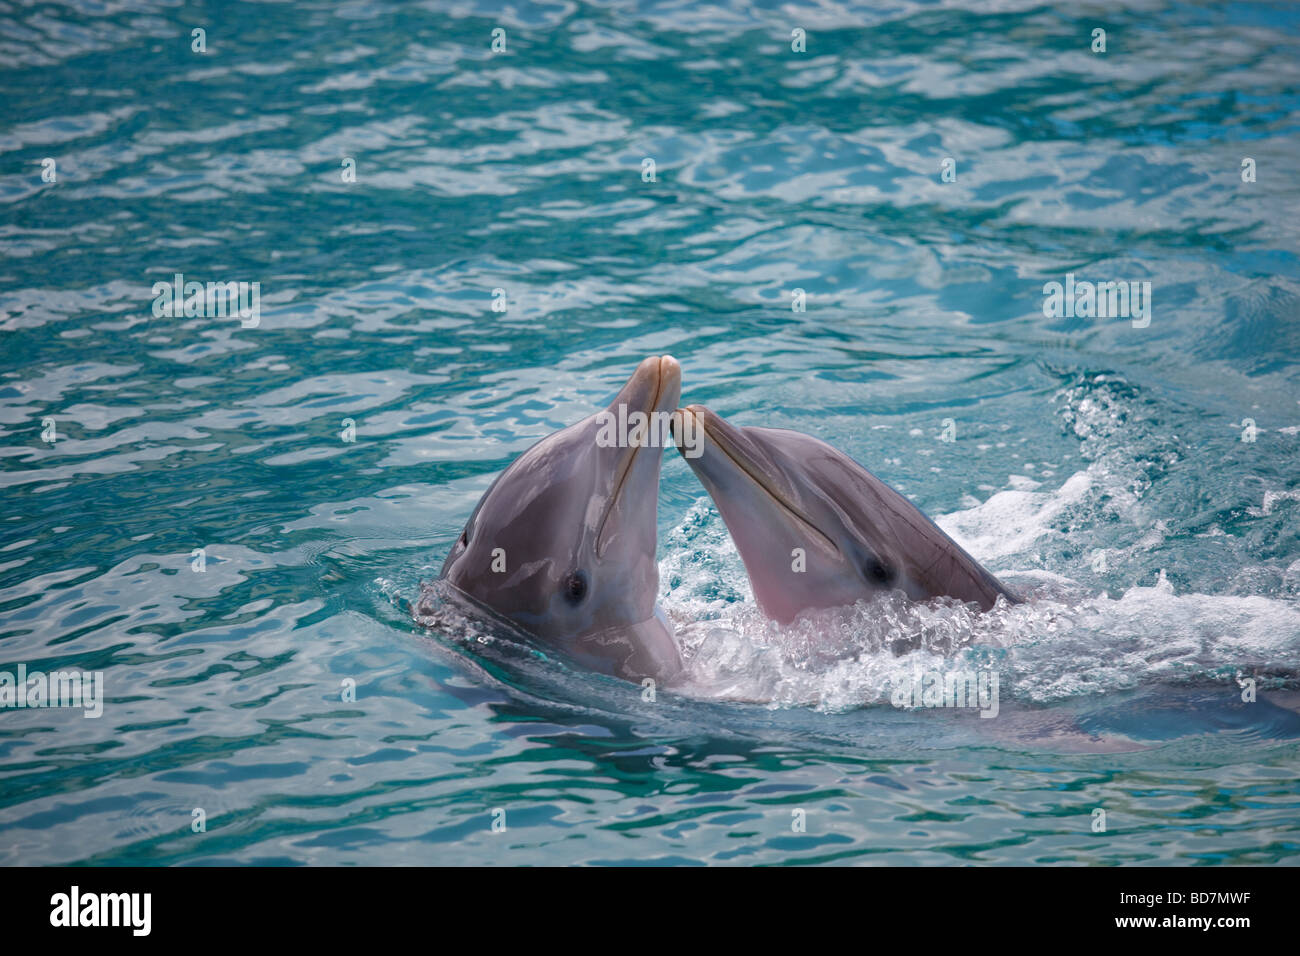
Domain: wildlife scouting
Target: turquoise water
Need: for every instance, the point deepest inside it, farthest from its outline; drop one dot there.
(1099, 466)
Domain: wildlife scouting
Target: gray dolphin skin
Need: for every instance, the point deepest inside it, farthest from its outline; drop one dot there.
(779, 490)
(562, 545)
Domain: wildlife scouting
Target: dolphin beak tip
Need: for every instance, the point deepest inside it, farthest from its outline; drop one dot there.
(670, 377)
(679, 422)
(700, 413)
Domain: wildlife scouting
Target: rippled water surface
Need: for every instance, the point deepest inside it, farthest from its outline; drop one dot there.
(1101, 465)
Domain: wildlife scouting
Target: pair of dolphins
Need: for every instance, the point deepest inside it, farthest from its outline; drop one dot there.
(562, 545)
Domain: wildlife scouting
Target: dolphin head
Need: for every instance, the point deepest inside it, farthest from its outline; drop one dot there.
(563, 543)
(817, 530)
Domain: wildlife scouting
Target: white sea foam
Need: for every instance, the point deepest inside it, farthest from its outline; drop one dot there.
(1061, 643)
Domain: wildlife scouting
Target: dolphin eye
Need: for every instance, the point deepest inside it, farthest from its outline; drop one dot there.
(575, 586)
(879, 572)
(464, 537)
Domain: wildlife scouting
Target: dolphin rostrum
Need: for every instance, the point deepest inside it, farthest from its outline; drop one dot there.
(817, 530)
(562, 545)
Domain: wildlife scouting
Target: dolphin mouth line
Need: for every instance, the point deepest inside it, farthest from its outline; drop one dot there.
(513, 628)
(625, 468)
(459, 595)
(765, 485)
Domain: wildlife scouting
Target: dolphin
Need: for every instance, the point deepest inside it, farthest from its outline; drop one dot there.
(817, 530)
(562, 545)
